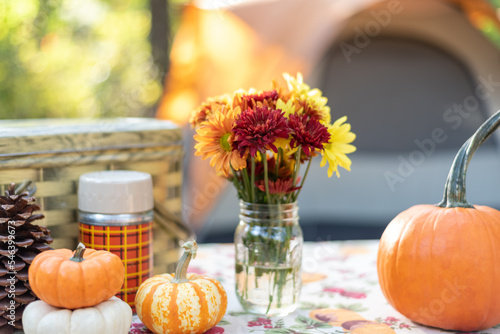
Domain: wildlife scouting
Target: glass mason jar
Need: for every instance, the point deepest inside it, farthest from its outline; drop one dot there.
(268, 242)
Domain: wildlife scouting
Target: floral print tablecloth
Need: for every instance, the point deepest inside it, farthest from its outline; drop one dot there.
(340, 294)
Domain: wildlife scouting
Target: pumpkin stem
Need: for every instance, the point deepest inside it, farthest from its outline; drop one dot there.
(78, 256)
(190, 253)
(454, 190)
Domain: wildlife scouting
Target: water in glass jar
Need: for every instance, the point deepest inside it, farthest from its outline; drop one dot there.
(273, 291)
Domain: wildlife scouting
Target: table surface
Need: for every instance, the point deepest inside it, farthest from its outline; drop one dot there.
(339, 282)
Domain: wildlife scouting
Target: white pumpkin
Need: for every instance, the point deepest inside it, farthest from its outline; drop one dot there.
(112, 316)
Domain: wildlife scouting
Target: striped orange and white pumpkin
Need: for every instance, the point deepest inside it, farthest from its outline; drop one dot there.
(181, 303)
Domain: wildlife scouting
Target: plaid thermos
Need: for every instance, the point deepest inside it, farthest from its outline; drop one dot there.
(116, 214)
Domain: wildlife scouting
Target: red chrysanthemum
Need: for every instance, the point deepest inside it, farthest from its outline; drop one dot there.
(307, 132)
(262, 99)
(257, 129)
(278, 187)
(259, 166)
(269, 96)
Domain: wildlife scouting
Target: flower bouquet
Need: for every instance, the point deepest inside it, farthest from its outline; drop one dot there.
(258, 140)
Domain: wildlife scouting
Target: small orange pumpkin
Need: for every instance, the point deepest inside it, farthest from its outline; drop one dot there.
(439, 265)
(83, 279)
(184, 303)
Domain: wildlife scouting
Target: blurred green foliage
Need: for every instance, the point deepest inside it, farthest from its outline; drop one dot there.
(489, 27)
(76, 58)
(495, 3)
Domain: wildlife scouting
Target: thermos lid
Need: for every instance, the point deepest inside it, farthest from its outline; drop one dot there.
(115, 192)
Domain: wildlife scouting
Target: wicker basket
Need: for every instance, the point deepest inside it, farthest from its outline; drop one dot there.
(53, 153)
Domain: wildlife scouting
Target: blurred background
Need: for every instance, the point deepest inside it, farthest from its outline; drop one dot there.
(92, 58)
(414, 78)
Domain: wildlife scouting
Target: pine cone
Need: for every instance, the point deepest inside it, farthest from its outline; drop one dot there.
(20, 242)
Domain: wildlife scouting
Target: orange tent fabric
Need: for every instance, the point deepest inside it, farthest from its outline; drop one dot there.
(215, 53)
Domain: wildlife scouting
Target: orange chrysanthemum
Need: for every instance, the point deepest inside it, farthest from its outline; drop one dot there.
(214, 140)
(208, 108)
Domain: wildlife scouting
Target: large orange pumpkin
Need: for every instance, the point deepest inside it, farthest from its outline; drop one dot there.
(439, 265)
(181, 304)
(83, 279)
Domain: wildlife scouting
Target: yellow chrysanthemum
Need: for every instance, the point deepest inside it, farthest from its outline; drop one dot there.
(317, 102)
(288, 108)
(338, 146)
(296, 85)
(284, 144)
(313, 98)
(214, 140)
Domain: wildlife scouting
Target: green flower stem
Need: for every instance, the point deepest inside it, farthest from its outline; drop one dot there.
(302, 183)
(238, 185)
(295, 171)
(246, 182)
(279, 279)
(252, 183)
(279, 156)
(269, 230)
(266, 176)
(297, 164)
